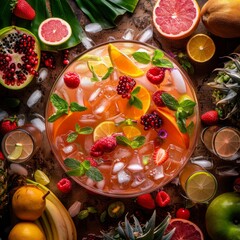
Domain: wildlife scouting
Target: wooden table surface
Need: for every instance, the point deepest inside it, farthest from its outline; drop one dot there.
(140, 19)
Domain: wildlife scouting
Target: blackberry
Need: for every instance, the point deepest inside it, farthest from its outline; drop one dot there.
(151, 120)
(125, 86)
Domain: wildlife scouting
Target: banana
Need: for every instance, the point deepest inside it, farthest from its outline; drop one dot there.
(46, 226)
(71, 229)
(39, 224)
(56, 221)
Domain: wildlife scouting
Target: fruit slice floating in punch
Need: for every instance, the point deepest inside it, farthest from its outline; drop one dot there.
(18, 67)
(176, 19)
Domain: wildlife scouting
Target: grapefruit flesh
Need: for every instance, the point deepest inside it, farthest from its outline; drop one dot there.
(176, 19)
(54, 31)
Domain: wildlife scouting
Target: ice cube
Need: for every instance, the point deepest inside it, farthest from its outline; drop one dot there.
(79, 96)
(146, 34)
(123, 177)
(38, 123)
(87, 42)
(95, 95)
(34, 98)
(128, 34)
(109, 92)
(117, 167)
(228, 171)
(3, 114)
(43, 73)
(122, 153)
(178, 81)
(90, 182)
(69, 149)
(86, 82)
(100, 184)
(138, 179)
(87, 119)
(176, 153)
(81, 68)
(21, 119)
(101, 107)
(93, 27)
(202, 161)
(135, 167)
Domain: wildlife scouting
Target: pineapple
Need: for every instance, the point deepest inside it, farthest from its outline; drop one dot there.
(126, 231)
(226, 88)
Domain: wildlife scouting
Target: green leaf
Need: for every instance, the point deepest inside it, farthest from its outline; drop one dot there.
(5, 14)
(95, 76)
(135, 91)
(56, 115)
(136, 102)
(86, 130)
(75, 107)
(187, 104)
(158, 54)
(77, 128)
(142, 57)
(59, 103)
(83, 214)
(78, 172)
(190, 128)
(182, 125)
(159, 61)
(94, 174)
(86, 164)
(129, 5)
(109, 72)
(72, 163)
(138, 142)
(122, 140)
(170, 101)
(72, 137)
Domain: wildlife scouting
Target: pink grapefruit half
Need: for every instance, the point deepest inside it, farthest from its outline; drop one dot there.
(176, 19)
(54, 31)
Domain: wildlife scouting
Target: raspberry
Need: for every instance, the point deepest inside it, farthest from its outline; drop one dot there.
(157, 99)
(8, 125)
(92, 161)
(151, 120)
(64, 185)
(156, 75)
(71, 79)
(103, 145)
(125, 86)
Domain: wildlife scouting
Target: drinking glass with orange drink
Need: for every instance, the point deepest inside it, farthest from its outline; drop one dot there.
(22, 143)
(133, 140)
(199, 185)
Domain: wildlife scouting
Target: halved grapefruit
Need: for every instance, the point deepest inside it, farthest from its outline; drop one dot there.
(184, 230)
(176, 19)
(54, 31)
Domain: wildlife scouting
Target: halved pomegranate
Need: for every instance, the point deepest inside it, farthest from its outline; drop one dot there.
(19, 57)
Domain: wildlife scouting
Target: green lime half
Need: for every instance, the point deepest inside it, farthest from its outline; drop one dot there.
(17, 152)
(201, 186)
(41, 177)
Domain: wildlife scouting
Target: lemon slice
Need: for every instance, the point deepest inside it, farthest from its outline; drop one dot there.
(123, 63)
(99, 67)
(201, 186)
(131, 131)
(104, 129)
(41, 177)
(17, 152)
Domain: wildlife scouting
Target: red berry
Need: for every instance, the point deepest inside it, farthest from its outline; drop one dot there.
(156, 75)
(160, 155)
(236, 184)
(151, 120)
(210, 117)
(106, 144)
(162, 199)
(183, 213)
(157, 98)
(8, 125)
(146, 201)
(92, 161)
(1, 156)
(71, 79)
(64, 185)
(125, 86)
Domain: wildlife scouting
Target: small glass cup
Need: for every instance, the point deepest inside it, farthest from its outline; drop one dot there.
(199, 185)
(224, 142)
(28, 136)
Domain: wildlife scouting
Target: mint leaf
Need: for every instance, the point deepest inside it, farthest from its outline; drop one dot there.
(109, 72)
(123, 141)
(72, 137)
(59, 102)
(142, 57)
(170, 101)
(86, 164)
(57, 115)
(138, 142)
(135, 90)
(72, 163)
(188, 104)
(190, 128)
(136, 102)
(94, 174)
(86, 130)
(157, 54)
(75, 107)
(95, 76)
(77, 128)
(76, 172)
(182, 125)
(159, 61)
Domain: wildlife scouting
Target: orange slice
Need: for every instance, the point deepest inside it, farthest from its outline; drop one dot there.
(131, 111)
(104, 129)
(123, 63)
(131, 131)
(170, 125)
(201, 48)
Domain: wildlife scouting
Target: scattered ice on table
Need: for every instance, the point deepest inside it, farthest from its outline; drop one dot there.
(178, 81)
(74, 209)
(43, 73)
(38, 123)
(111, 39)
(100, 184)
(128, 34)
(123, 177)
(146, 34)
(86, 82)
(117, 167)
(202, 161)
(3, 114)
(93, 28)
(228, 171)
(21, 119)
(34, 98)
(18, 169)
(138, 179)
(87, 42)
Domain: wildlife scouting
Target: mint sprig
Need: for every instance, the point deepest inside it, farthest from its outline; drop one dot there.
(157, 59)
(137, 142)
(78, 130)
(82, 168)
(95, 77)
(62, 107)
(183, 110)
(134, 100)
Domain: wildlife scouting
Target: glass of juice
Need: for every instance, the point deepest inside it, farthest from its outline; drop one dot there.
(134, 154)
(199, 185)
(224, 142)
(22, 143)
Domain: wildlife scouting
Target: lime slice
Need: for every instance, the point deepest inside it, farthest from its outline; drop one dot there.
(17, 152)
(201, 186)
(99, 67)
(87, 57)
(41, 177)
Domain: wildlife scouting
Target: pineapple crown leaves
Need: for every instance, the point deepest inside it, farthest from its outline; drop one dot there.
(145, 232)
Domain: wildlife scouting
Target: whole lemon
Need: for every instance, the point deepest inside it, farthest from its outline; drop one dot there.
(28, 202)
(26, 231)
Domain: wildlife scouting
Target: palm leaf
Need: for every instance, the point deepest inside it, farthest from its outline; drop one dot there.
(5, 14)
(129, 5)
